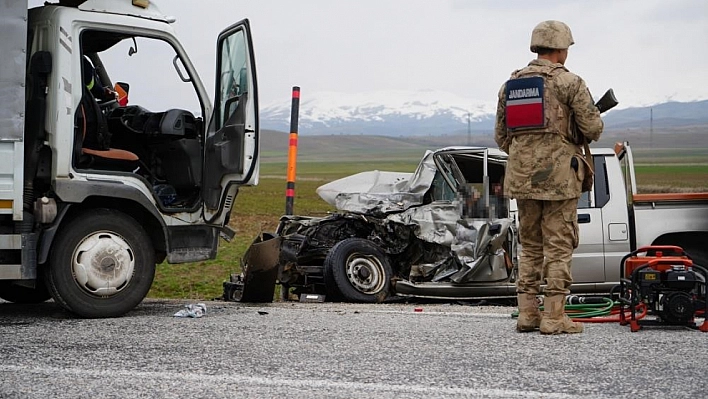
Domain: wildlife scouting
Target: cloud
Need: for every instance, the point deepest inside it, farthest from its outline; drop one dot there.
(648, 50)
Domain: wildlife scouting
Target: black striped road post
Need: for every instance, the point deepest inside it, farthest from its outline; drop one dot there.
(292, 152)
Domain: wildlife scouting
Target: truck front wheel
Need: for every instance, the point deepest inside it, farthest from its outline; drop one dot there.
(102, 264)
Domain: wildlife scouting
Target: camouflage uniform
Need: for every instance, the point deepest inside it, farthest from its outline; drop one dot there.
(544, 173)
(539, 175)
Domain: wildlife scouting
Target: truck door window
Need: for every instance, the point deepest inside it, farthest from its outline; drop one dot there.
(234, 76)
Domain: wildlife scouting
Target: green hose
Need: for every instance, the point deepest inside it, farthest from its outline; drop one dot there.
(591, 309)
(585, 310)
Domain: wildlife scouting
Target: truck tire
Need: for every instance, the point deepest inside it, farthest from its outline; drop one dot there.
(102, 264)
(360, 271)
(20, 294)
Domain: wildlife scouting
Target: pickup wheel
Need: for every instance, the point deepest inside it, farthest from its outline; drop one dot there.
(360, 271)
(101, 265)
(20, 294)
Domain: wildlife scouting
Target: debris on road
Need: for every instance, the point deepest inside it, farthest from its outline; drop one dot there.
(192, 310)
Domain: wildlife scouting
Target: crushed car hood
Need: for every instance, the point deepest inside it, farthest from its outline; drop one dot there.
(380, 192)
(399, 198)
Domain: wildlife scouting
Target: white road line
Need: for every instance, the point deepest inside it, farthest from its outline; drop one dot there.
(313, 384)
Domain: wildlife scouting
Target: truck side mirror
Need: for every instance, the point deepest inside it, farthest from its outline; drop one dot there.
(122, 89)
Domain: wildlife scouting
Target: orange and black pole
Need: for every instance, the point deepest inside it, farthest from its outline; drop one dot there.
(292, 152)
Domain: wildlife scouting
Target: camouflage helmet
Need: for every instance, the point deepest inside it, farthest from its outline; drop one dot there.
(551, 34)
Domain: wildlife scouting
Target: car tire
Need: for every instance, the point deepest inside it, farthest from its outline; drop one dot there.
(359, 270)
(332, 293)
(102, 264)
(24, 295)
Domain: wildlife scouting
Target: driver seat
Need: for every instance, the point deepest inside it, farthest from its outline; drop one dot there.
(108, 154)
(93, 137)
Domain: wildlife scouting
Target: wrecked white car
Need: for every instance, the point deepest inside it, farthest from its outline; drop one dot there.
(443, 231)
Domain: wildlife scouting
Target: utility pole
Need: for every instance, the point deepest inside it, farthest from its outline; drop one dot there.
(469, 130)
(651, 132)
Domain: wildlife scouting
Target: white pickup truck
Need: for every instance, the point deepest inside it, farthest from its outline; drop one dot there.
(405, 236)
(615, 219)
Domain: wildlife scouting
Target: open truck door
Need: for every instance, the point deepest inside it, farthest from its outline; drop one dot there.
(231, 147)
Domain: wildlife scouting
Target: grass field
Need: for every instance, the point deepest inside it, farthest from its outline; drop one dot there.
(258, 208)
(671, 177)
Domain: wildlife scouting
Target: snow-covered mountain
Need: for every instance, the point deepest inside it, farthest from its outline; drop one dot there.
(428, 112)
(389, 113)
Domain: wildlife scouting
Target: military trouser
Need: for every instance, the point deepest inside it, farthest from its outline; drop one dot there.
(547, 229)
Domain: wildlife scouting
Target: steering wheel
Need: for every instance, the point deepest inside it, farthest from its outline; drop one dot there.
(106, 104)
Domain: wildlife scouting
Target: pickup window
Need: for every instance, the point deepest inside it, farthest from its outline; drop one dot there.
(600, 191)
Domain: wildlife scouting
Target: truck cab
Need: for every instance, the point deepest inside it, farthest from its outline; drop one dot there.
(114, 157)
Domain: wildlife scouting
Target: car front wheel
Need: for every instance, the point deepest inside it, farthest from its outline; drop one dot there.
(360, 271)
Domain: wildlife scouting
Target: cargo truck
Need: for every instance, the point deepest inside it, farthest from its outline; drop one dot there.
(100, 180)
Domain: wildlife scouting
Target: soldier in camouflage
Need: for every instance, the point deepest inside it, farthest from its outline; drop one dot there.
(543, 113)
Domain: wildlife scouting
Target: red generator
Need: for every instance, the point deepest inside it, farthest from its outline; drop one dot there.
(663, 280)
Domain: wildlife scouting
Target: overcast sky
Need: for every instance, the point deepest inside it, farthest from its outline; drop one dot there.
(647, 50)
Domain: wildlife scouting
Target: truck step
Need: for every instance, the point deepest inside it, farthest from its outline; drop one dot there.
(11, 272)
(10, 241)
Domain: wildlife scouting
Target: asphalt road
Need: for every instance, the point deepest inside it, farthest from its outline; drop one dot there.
(295, 350)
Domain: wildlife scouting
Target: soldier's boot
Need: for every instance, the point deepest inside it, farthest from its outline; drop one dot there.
(529, 315)
(554, 320)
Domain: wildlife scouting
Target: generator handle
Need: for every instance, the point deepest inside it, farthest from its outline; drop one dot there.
(669, 248)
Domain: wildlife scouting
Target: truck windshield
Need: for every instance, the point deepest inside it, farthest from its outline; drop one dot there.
(154, 82)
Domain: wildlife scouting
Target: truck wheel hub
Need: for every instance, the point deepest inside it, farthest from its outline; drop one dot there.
(103, 264)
